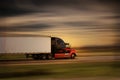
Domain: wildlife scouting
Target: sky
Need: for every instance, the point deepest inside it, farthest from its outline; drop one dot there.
(78, 22)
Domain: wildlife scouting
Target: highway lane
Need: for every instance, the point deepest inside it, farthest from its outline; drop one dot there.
(60, 61)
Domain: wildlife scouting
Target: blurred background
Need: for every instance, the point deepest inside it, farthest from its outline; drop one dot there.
(80, 22)
(90, 26)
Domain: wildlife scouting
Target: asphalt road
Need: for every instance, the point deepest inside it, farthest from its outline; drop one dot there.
(61, 61)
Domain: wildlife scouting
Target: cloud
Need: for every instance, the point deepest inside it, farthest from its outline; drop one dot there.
(20, 7)
(77, 13)
(110, 17)
(35, 27)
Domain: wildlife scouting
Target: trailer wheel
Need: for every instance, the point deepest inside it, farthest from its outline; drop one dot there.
(35, 57)
(49, 57)
(73, 56)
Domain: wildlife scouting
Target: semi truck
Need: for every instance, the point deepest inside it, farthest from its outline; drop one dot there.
(36, 47)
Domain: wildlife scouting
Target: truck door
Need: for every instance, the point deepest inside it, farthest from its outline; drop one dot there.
(60, 53)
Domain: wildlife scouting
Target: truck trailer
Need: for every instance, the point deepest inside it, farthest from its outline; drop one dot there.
(37, 47)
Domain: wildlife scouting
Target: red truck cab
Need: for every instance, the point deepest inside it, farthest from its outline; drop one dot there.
(60, 49)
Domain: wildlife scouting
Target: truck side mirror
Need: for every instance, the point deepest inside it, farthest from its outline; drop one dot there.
(67, 45)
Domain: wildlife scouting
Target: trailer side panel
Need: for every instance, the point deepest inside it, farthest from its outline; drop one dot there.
(25, 45)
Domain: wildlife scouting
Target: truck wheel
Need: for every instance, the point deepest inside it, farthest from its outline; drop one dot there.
(49, 57)
(73, 56)
(43, 57)
(35, 57)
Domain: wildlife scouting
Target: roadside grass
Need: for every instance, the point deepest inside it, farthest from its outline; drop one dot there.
(76, 70)
(12, 56)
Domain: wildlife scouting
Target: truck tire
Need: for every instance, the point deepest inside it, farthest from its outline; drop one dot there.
(35, 57)
(43, 57)
(73, 56)
(48, 57)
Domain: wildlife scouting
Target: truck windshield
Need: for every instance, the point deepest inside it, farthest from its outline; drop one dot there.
(58, 43)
